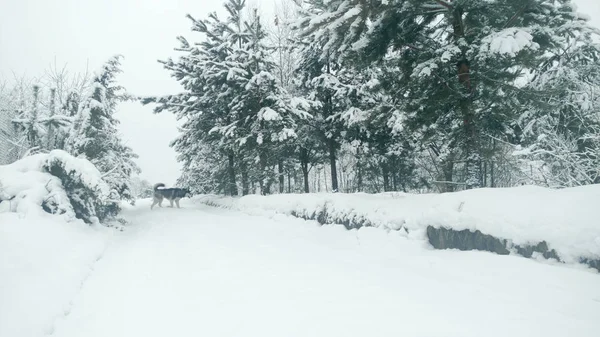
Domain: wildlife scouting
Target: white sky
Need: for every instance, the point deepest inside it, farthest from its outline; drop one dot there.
(33, 33)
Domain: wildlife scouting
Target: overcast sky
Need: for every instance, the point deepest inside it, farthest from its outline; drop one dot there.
(33, 33)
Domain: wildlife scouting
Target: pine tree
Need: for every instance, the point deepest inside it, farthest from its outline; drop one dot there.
(263, 109)
(204, 105)
(233, 104)
(95, 136)
(322, 87)
(461, 61)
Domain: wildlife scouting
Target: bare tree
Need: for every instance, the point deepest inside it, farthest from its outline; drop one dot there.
(281, 39)
(65, 83)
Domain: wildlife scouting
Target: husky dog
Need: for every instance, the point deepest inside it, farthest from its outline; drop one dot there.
(171, 194)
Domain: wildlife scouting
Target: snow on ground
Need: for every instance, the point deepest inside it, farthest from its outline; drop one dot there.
(202, 271)
(43, 262)
(566, 219)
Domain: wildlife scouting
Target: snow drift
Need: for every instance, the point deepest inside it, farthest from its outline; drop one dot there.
(527, 220)
(55, 183)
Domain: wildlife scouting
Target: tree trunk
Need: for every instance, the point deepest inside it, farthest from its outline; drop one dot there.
(484, 175)
(492, 181)
(359, 179)
(289, 176)
(231, 172)
(268, 185)
(325, 179)
(386, 176)
(332, 162)
(318, 181)
(492, 178)
(448, 171)
(472, 160)
(304, 165)
(341, 178)
(245, 185)
(295, 178)
(281, 177)
(264, 186)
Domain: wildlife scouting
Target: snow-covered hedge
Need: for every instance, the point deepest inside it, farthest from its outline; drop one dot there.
(56, 183)
(527, 220)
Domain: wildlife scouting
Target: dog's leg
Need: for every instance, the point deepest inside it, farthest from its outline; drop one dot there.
(177, 202)
(171, 202)
(153, 203)
(160, 202)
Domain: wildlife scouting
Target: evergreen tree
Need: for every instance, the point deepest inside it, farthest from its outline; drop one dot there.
(233, 104)
(460, 60)
(262, 110)
(321, 85)
(95, 136)
(204, 105)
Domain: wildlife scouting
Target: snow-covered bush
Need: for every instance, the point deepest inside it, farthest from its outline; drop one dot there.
(56, 183)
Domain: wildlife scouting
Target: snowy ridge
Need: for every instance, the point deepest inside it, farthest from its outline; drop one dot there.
(566, 220)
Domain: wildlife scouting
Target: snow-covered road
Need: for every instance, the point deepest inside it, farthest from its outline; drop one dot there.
(201, 271)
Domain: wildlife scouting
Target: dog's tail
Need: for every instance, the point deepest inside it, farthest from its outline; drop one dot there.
(157, 186)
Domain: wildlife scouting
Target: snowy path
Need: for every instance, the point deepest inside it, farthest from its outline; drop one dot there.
(201, 271)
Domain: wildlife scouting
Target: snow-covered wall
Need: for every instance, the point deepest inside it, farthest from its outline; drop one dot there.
(529, 221)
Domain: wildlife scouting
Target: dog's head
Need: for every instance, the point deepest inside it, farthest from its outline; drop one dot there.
(186, 192)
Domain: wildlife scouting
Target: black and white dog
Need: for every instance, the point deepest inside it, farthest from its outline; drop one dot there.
(171, 194)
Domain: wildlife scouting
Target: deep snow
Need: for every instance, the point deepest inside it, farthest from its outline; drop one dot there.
(44, 261)
(567, 219)
(201, 271)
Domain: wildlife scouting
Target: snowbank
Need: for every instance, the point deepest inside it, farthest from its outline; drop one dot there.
(43, 263)
(56, 183)
(45, 251)
(527, 220)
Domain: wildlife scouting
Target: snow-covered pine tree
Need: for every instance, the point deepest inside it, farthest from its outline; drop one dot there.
(320, 84)
(95, 135)
(280, 39)
(204, 105)
(376, 131)
(262, 111)
(235, 110)
(462, 60)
